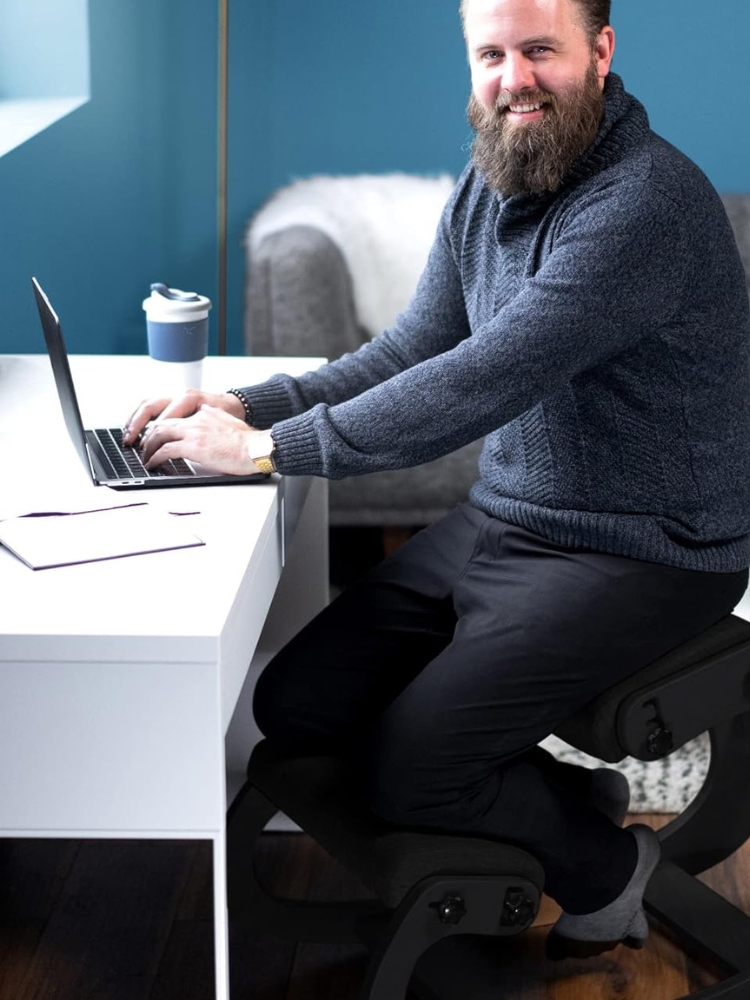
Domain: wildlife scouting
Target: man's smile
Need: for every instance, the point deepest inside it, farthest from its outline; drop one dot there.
(525, 111)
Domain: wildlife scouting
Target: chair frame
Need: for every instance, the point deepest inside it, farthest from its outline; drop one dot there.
(659, 717)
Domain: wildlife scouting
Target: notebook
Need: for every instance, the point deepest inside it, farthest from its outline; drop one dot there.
(107, 460)
(48, 541)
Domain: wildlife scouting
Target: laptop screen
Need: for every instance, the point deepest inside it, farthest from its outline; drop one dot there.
(61, 370)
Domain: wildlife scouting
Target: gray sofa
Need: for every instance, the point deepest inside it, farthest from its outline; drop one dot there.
(299, 302)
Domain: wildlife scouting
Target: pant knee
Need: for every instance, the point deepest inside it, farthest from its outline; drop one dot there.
(275, 710)
(264, 713)
(289, 710)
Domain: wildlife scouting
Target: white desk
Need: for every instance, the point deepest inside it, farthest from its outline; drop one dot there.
(119, 680)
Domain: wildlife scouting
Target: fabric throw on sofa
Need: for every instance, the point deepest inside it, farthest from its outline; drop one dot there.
(384, 226)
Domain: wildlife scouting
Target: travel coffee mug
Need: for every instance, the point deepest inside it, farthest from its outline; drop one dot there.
(177, 328)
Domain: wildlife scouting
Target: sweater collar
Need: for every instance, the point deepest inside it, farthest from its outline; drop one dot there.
(624, 124)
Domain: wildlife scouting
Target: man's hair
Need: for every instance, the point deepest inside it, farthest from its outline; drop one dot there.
(595, 14)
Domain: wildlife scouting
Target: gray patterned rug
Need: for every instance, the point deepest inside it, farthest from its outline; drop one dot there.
(662, 786)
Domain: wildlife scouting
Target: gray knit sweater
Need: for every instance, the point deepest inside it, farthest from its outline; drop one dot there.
(600, 339)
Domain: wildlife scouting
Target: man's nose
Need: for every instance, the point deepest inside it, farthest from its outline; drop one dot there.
(518, 74)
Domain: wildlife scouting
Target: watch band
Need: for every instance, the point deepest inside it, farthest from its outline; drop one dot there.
(265, 464)
(260, 449)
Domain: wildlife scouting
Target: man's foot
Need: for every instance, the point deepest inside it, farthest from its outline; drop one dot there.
(621, 921)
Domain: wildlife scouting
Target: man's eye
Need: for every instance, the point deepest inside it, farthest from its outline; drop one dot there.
(490, 55)
(540, 50)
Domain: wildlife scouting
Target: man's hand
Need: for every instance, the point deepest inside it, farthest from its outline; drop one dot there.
(210, 436)
(165, 408)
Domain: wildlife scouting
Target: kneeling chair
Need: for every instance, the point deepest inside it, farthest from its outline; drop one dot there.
(430, 885)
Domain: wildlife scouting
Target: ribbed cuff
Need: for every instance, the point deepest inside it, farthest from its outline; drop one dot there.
(297, 451)
(269, 403)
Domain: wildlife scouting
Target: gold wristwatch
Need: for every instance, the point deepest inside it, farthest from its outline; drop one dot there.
(260, 449)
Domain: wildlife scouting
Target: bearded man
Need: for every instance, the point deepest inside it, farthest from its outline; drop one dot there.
(584, 308)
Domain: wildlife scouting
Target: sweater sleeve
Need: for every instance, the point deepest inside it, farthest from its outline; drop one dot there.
(434, 322)
(600, 290)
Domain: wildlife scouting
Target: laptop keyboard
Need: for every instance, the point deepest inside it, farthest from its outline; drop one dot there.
(126, 462)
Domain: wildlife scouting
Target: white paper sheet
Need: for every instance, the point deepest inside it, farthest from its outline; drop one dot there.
(44, 541)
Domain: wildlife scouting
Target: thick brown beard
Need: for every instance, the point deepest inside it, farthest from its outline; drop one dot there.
(534, 157)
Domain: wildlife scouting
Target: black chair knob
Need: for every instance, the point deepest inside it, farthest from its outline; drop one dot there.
(450, 909)
(517, 908)
(660, 742)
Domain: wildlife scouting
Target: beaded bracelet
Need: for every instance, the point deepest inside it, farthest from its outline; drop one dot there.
(245, 403)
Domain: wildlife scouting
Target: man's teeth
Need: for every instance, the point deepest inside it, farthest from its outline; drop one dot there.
(522, 109)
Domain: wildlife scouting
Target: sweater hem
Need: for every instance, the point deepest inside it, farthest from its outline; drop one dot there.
(636, 536)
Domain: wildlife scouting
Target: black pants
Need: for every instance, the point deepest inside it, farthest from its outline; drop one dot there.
(444, 668)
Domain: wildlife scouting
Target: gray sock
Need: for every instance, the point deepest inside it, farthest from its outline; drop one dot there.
(623, 918)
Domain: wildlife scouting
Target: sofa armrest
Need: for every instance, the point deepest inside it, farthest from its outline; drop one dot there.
(738, 210)
(298, 297)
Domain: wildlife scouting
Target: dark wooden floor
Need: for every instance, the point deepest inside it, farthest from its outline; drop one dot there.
(111, 920)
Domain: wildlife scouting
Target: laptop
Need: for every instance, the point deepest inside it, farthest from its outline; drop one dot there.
(102, 452)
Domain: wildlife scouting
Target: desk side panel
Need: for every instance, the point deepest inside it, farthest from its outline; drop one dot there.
(301, 594)
(244, 623)
(127, 748)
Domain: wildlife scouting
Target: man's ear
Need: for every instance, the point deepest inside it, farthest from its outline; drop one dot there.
(604, 50)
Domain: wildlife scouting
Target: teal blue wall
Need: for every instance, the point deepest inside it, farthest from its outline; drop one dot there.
(122, 192)
(687, 61)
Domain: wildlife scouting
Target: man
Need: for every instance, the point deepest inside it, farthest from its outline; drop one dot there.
(584, 307)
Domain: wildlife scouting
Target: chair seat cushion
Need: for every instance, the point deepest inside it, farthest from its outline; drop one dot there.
(594, 729)
(320, 794)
